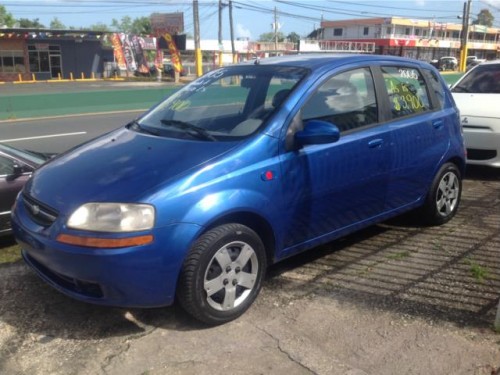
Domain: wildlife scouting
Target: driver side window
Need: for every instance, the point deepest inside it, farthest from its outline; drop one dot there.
(346, 100)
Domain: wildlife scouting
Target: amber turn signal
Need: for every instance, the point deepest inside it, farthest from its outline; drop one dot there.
(105, 242)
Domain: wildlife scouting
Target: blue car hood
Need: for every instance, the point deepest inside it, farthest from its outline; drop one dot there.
(122, 166)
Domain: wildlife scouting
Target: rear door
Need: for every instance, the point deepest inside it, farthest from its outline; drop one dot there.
(419, 136)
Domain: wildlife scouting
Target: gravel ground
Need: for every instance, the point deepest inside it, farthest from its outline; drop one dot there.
(395, 298)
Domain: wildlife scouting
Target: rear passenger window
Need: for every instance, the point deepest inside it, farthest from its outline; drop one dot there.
(346, 100)
(407, 90)
(436, 86)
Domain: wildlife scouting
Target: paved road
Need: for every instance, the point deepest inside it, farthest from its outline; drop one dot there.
(59, 134)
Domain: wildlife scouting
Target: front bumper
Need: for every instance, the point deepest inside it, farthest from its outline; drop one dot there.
(140, 276)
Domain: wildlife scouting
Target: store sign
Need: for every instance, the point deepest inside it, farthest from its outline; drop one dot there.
(172, 23)
(148, 43)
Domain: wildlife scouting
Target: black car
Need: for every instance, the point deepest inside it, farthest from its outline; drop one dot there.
(16, 167)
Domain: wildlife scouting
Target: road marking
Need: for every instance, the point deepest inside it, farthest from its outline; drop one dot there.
(42, 136)
(25, 119)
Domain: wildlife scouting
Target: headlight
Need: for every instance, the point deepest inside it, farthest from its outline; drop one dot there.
(113, 217)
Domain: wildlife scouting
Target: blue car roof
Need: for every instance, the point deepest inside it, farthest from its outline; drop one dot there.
(314, 61)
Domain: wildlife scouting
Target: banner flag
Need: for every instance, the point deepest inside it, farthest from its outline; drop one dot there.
(175, 56)
(118, 51)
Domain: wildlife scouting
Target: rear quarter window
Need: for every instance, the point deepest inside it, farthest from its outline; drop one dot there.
(436, 86)
(407, 90)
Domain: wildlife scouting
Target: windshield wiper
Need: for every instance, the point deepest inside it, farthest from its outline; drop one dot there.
(134, 125)
(193, 129)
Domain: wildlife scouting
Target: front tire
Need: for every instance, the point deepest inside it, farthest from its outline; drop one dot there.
(222, 274)
(443, 198)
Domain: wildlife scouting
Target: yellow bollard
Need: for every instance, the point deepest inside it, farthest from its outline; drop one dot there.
(20, 77)
(93, 75)
(33, 77)
(71, 76)
(59, 76)
(83, 77)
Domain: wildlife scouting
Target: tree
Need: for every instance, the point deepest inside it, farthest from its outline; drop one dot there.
(141, 26)
(123, 26)
(56, 24)
(485, 18)
(6, 19)
(269, 37)
(99, 27)
(30, 24)
(136, 26)
(293, 37)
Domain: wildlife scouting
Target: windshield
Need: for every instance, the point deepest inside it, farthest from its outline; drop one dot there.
(483, 79)
(223, 104)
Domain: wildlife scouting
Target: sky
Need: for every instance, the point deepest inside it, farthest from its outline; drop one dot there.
(251, 18)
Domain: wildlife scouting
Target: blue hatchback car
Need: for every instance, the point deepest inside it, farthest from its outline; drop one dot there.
(245, 166)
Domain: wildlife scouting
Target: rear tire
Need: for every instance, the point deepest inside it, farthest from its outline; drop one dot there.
(222, 274)
(444, 195)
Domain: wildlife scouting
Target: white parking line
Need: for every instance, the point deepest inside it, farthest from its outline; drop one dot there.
(42, 136)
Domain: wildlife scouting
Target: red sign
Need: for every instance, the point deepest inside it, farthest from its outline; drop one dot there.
(403, 43)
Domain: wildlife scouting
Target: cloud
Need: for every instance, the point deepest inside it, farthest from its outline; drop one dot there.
(242, 31)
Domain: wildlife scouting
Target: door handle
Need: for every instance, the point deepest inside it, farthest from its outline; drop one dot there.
(375, 143)
(437, 124)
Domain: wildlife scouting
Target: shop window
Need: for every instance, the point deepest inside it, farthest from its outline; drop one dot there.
(12, 62)
(366, 30)
(337, 32)
(39, 57)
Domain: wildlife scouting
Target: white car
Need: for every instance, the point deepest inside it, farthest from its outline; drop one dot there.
(477, 95)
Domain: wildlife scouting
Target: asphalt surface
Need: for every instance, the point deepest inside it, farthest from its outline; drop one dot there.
(60, 133)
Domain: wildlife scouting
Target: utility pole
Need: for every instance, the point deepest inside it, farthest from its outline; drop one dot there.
(465, 36)
(197, 49)
(233, 49)
(275, 31)
(220, 33)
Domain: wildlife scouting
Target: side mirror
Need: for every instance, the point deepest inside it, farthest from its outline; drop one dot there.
(16, 172)
(317, 132)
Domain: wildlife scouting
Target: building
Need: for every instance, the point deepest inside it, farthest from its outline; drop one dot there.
(51, 54)
(419, 39)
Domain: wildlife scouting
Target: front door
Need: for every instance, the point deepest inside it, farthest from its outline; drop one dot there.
(334, 187)
(55, 66)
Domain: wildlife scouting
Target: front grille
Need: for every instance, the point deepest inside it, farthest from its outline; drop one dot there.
(40, 213)
(74, 285)
(475, 154)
